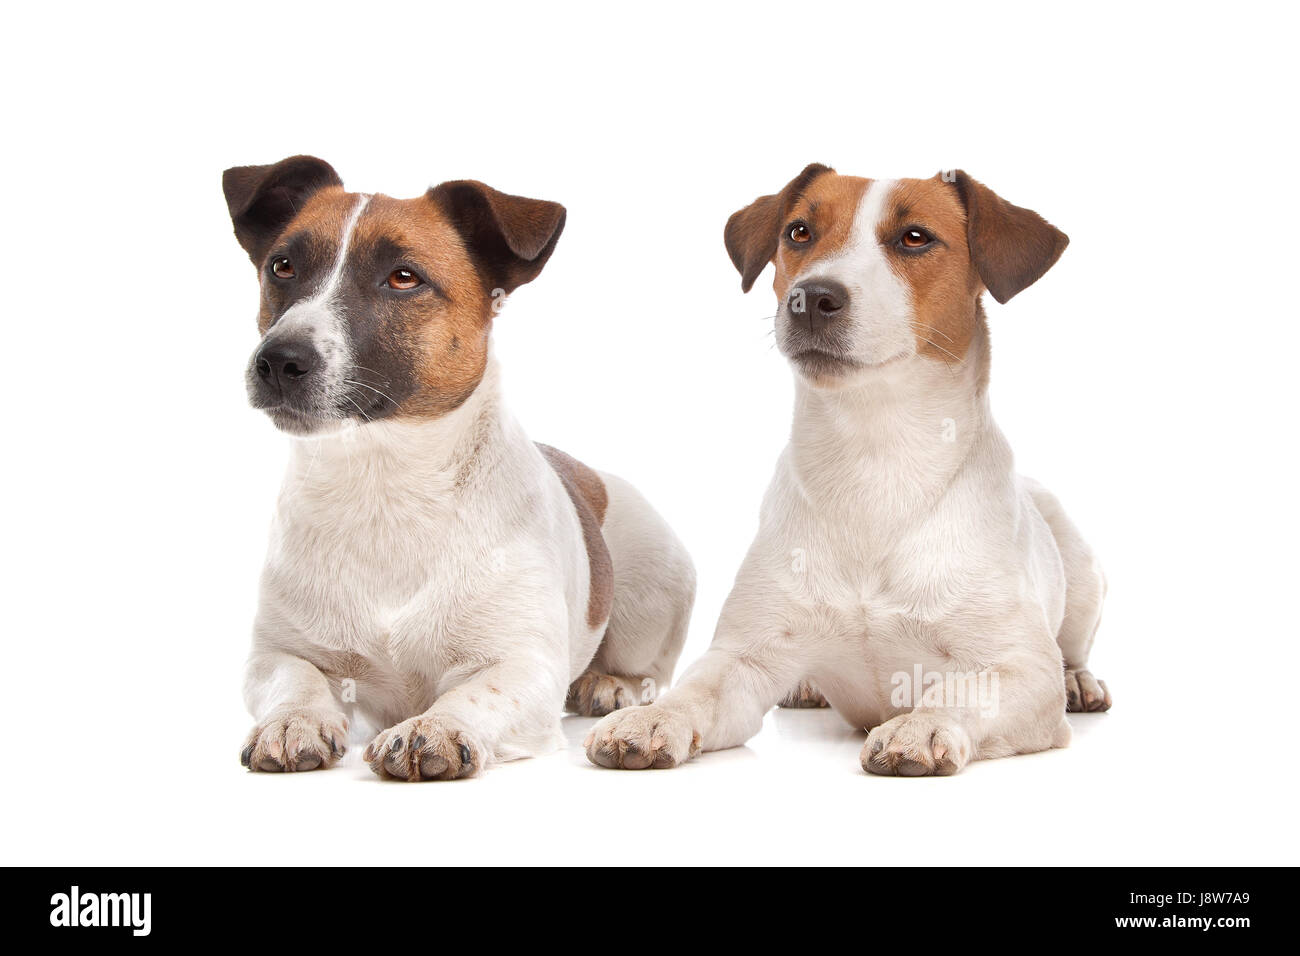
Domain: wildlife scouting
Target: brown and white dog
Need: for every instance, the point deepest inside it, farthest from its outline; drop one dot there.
(431, 570)
(901, 564)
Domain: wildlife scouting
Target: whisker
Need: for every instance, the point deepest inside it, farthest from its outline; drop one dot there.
(383, 379)
(916, 328)
(931, 328)
(358, 407)
(945, 352)
(377, 391)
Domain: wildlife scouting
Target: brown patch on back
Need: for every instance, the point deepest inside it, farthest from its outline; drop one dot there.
(590, 499)
(582, 477)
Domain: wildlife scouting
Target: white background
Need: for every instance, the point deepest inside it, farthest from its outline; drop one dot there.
(1148, 379)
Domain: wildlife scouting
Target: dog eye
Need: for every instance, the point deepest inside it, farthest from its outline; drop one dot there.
(916, 239)
(403, 279)
(799, 232)
(282, 268)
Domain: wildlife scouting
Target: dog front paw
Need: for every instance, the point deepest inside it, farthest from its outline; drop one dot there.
(296, 740)
(424, 748)
(641, 738)
(917, 745)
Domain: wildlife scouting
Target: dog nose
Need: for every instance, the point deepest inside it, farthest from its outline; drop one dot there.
(822, 301)
(286, 363)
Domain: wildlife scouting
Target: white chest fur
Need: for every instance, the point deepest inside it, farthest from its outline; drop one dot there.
(394, 543)
(897, 534)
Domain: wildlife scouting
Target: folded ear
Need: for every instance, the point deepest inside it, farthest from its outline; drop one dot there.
(510, 237)
(753, 234)
(1010, 247)
(262, 199)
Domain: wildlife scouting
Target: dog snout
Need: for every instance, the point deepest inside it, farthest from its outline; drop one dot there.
(284, 365)
(818, 302)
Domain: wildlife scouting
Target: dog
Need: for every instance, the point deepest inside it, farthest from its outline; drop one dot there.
(901, 565)
(431, 570)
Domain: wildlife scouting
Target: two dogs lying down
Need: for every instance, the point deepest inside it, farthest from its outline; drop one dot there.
(437, 573)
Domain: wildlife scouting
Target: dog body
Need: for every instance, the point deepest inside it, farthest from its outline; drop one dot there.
(431, 570)
(926, 589)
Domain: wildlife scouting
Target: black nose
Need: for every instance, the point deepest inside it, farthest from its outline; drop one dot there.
(818, 302)
(286, 363)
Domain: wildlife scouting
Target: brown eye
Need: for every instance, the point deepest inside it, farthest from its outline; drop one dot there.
(282, 268)
(916, 238)
(799, 232)
(403, 279)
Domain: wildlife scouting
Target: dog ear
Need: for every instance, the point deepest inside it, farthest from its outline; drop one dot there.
(510, 237)
(753, 234)
(1010, 247)
(262, 199)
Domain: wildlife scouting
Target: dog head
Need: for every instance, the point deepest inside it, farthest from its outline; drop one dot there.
(872, 271)
(373, 307)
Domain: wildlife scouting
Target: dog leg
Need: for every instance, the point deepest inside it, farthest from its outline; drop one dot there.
(1018, 708)
(719, 703)
(299, 724)
(1085, 589)
(468, 726)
